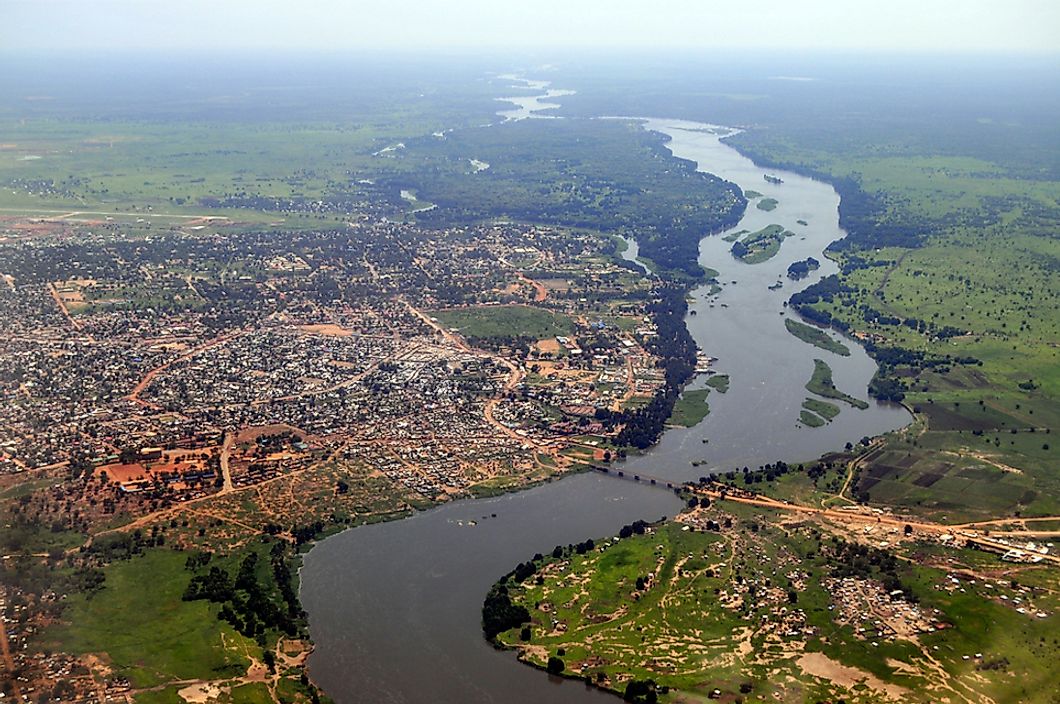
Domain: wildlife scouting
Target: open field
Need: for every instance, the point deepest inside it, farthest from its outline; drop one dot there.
(504, 322)
(144, 629)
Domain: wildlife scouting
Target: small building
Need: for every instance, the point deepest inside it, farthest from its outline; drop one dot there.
(150, 453)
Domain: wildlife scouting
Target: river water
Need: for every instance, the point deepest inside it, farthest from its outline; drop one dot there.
(531, 106)
(394, 608)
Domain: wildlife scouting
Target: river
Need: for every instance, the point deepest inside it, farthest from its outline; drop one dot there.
(531, 106)
(394, 608)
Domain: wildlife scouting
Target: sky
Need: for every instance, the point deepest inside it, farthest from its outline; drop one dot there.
(467, 25)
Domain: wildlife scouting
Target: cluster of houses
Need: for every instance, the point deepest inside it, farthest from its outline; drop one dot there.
(876, 614)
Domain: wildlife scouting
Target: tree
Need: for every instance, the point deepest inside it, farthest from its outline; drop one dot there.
(270, 660)
(555, 665)
(640, 692)
(499, 613)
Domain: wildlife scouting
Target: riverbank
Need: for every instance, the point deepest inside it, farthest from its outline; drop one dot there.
(738, 598)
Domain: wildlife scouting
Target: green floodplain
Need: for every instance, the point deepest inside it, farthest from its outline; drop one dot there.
(728, 599)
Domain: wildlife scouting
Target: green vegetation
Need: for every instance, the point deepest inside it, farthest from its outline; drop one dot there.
(811, 419)
(718, 382)
(610, 176)
(767, 204)
(956, 475)
(951, 253)
(751, 195)
(821, 384)
(716, 607)
(503, 322)
(816, 412)
(153, 152)
(760, 246)
(150, 635)
(816, 337)
(949, 271)
(826, 410)
(690, 408)
(950, 267)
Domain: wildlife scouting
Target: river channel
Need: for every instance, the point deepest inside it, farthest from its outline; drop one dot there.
(394, 608)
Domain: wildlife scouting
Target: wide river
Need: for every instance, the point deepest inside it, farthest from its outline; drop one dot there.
(394, 608)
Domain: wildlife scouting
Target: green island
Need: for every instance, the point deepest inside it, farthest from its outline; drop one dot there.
(718, 382)
(690, 408)
(760, 246)
(820, 408)
(767, 204)
(751, 195)
(816, 337)
(821, 384)
(811, 420)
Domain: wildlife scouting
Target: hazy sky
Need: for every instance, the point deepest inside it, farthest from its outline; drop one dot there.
(948, 25)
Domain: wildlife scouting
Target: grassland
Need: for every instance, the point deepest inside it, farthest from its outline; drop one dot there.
(816, 337)
(718, 382)
(821, 384)
(811, 419)
(497, 322)
(691, 408)
(825, 410)
(163, 162)
(987, 449)
(149, 634)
